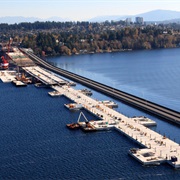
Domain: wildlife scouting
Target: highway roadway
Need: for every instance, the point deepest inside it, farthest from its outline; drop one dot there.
(161, 111)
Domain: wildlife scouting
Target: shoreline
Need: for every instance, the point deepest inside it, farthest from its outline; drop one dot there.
(107, 51)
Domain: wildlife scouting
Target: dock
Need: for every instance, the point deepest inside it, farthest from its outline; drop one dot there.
(19, 83)
(7, 76)
(157, 149)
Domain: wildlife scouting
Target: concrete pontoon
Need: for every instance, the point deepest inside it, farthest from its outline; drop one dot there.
(54, 93)
(144, 121)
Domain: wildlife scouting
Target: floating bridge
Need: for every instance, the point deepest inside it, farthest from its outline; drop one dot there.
(153, 108)
(156, 149)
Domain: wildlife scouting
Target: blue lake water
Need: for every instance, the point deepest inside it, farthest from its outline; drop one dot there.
(153, 75)
(35, 144)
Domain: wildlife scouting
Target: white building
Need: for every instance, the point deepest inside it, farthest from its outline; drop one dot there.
(128, 20)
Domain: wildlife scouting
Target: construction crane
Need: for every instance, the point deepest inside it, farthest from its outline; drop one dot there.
(5, 58)
(4, 64)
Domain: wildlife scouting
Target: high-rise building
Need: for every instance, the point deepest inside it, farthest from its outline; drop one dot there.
(139, 20)
(128, 20)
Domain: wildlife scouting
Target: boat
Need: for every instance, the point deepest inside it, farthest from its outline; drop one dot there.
(110, 104)
(73, 126)
(144, 121)
(73, 106)
(85, 126)
(55, 93)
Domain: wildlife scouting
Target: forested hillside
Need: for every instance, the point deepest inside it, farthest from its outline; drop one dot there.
(83, 37)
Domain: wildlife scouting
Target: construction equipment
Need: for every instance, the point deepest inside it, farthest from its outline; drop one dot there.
(4, 64)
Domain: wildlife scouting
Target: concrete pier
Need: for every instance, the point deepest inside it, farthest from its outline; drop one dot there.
(157, 148)
(7, 76)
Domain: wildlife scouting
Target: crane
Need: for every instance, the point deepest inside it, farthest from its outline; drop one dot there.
(4, 63)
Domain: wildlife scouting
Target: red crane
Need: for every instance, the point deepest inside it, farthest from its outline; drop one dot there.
(4, 63)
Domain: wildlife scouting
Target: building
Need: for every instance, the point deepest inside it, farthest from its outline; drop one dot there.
(139, 20)
(128, 21)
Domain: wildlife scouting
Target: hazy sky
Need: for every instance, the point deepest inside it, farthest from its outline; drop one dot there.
(82, 9)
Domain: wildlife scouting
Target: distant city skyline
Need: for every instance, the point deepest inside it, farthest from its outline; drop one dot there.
(78, 10)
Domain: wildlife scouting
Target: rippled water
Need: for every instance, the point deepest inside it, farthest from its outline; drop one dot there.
(153, 75)
(35, 144)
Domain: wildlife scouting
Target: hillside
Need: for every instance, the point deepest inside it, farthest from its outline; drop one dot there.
(156, 15)
(19, 19)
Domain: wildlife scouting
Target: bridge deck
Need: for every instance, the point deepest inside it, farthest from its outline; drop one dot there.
(160, 148)
(161, 111)
(44, 76)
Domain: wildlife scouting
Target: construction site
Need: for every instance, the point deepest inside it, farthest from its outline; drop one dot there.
(156, 149)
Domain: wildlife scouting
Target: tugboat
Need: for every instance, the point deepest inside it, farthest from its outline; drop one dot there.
(85, 126)
(73, 126)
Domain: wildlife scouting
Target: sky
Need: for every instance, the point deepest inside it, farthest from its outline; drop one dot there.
(78, 10)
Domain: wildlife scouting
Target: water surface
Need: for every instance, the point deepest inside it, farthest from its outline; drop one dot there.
(153, 75)
(34, 140)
